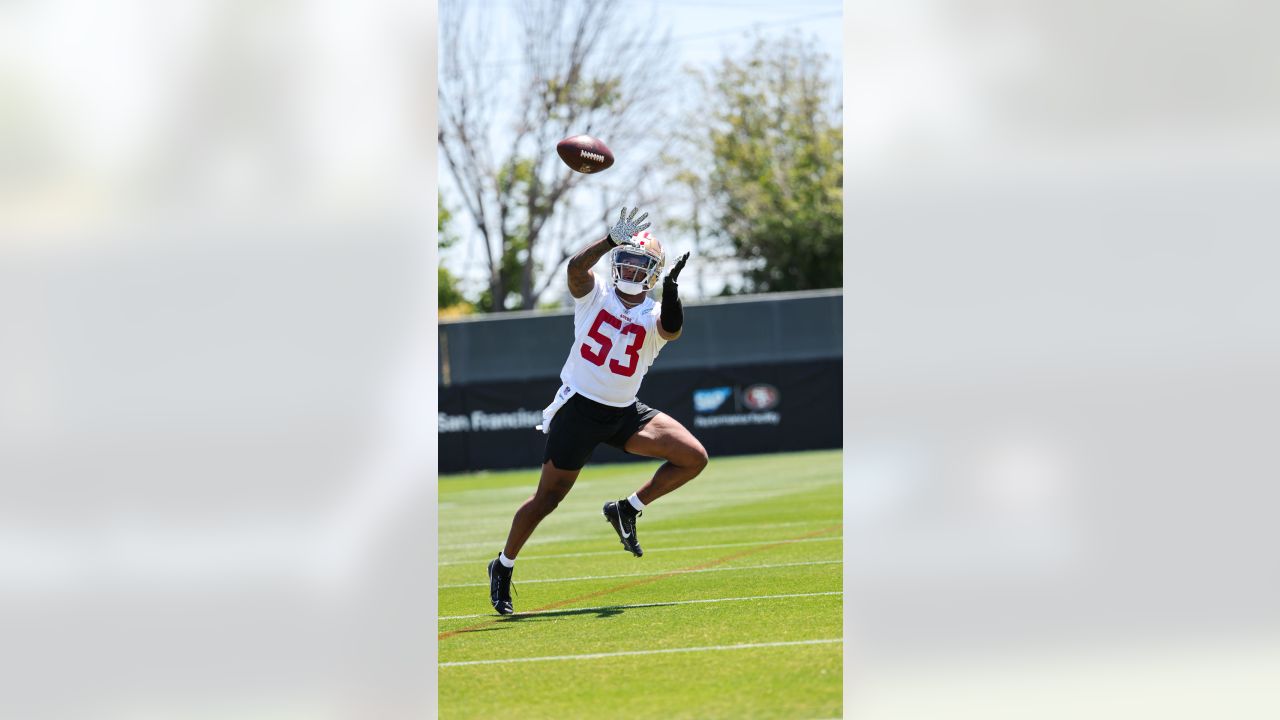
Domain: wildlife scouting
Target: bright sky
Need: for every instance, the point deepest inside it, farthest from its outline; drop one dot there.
(703, 31)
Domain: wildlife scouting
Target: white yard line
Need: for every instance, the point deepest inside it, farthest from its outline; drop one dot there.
(468, 517)
(656, 604)
(490, 508)
(653, 574)
(670, 549)
(592, 656)
(664, 531)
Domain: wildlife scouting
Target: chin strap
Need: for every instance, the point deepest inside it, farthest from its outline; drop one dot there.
(640, 289)
(672, 317)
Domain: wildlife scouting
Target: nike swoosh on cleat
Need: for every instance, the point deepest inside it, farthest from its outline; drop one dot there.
(621, 532)
(617, 521)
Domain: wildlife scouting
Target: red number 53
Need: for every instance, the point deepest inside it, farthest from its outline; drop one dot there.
(597, 356)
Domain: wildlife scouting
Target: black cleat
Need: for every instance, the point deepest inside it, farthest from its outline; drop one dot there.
(623, 521)
(500, 587)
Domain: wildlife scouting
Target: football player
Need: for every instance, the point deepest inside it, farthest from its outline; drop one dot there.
(618, 331)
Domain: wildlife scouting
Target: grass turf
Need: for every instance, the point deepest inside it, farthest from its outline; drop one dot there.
(759, 535)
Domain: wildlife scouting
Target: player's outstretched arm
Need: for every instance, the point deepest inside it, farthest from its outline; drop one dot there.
(671, 318)
(580, 278)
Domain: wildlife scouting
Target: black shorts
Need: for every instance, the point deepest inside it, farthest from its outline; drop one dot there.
(582, 424)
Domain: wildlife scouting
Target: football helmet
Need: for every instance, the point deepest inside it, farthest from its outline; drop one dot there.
(636, 268)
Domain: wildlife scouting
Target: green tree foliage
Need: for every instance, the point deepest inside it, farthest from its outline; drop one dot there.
(515, 179)
(774, 138)
(448, 294)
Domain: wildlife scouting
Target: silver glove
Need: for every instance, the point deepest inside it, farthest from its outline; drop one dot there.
(627, 226)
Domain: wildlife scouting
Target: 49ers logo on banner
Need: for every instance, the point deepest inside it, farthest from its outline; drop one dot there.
(597, 356)
(760, 397)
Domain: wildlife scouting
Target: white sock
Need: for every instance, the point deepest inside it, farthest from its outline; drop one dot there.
(506, 561)
(635, 502)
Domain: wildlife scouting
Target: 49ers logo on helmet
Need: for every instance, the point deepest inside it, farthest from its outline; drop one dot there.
(637, 267)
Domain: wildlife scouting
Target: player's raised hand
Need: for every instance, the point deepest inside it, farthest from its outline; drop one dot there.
(627, 226)
(675, 271)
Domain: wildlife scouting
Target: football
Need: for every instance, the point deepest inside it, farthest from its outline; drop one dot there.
(585, 154)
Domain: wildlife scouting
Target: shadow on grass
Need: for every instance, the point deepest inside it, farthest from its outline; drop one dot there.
(488, 628)
(598, 613)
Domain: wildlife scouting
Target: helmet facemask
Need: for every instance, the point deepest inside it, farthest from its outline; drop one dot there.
(636, 269)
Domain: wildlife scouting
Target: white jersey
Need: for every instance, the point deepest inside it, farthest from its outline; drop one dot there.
(613, 346)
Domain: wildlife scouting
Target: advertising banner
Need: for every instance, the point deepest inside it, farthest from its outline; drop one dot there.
(734, 410)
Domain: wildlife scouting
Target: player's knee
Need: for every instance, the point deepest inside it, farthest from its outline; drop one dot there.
(550, 503)
(696, 458)
(543, 505)
(546, 501)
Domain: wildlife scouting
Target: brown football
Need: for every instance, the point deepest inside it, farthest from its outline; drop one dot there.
(585, 154)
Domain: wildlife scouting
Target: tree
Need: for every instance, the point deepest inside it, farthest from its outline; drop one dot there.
(581, 67)
(448, 294)
(773, 136)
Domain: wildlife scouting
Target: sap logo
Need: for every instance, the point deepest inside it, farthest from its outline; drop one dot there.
(710, 399)
(760, 397)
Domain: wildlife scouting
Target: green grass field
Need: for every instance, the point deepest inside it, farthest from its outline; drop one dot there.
(733, 612)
